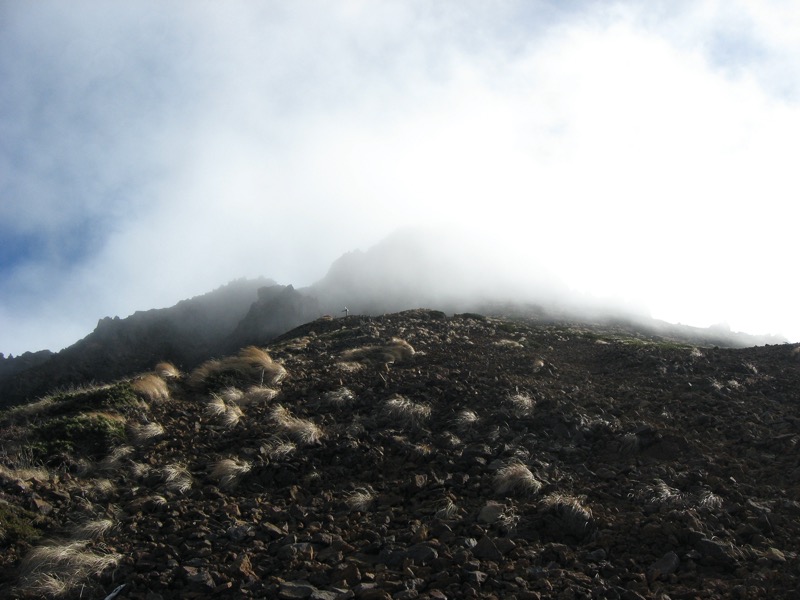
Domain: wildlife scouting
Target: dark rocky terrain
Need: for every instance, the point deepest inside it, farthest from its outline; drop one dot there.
(416, 455)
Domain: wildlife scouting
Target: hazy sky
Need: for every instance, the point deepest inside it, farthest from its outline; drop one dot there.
(152, 151)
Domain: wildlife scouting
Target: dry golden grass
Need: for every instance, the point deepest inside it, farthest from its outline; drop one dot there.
(198, 377)
(520, 405)
(507, 344)
(226, 415)
(216, 406)
(232, 395)
(19, 462)
(396, 350)
(406, 412)
(144, 433)
(360, 500)
(349, 366)
(339, 397)
(251, 362)
(114, 460)
(91, 530)
(300, 430)
(229, 471)
(177, 478)
(447, 511)
(59, 568)
(516, 478)
(166, 370)
(258, 394)
(151, 387)
(139, 470)
(466, 420)
(574, 517)
(277, 447)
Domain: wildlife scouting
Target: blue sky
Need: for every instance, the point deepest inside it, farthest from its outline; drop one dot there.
(642, 152)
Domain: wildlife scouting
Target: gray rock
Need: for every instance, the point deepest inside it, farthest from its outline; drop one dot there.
(296, 590)
(421, 554)
(663, 567)
(715, 552)
(475, 577)
(487, 550)
(201, 579)
(491, 513)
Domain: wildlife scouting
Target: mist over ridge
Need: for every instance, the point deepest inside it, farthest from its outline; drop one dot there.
(410, 269)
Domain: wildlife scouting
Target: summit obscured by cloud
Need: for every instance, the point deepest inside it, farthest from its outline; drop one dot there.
(150, 152)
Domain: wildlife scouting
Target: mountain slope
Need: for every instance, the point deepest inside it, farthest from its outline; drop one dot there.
(186, 334)
(416, 455)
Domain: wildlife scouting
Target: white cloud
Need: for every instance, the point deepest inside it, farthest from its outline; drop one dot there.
(614, 146)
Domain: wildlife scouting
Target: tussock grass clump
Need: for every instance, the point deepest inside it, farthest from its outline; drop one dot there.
(232, 395)
(101, 488)
(520, 405)
(166, 370)
(92, 530)
(229, 471)
(22, 466)
(360, 499)
(231, 417)
(395, 351)
(278, 447)
(30, 474)
(258, 394)
(660, 493)
(257, 363)
(341, 397)
(144, 433)
(113, 461)
(140, 470)
(507, 344)
(152, 387)
(251, 363)
(349, 366)
(708, 499)
(405, 411)
(447, 511)
(177, 478)
(255, 394)
(574, 518)
(466, 419)
(516, 478)
(300, 430)
(59, 568)
(226, 415)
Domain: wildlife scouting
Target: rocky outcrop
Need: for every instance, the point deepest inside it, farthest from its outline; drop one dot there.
(277, 310)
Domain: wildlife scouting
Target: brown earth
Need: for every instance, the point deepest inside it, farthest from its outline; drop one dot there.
(495, 459)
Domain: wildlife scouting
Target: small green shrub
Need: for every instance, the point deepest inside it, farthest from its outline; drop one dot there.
(17, 524)
(89, 435)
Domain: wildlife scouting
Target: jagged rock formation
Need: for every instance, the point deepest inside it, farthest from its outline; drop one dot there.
(277, 310)
(416, 455)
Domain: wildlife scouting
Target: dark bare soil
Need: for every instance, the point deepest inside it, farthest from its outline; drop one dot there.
(497, 460)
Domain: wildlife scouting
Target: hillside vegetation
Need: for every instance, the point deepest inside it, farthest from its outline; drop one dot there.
(415, 455)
